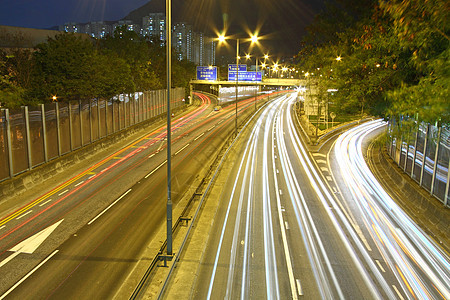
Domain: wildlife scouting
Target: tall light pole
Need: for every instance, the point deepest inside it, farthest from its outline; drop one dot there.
(237, 82)
(169, 83)
(253, 39)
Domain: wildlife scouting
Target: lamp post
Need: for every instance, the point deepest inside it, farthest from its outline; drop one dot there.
(169, 70)
(237, 83)
(253, 39)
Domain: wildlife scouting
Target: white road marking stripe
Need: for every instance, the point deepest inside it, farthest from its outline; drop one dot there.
(319, 154)
(2, 227)
(379, 265)
(62, 193)
(334, 190)
(299, 287)
(286, 225)
(91, 176)
(156, 169)
(111, 205)
(150, 156)
(28, 275)
(42, 204)
(321, 161)
(21, 216)
(199, 136)
(398, 292)
(211, 127)
(281, 192)
(329, 178)
(79, 183)
(181, 149)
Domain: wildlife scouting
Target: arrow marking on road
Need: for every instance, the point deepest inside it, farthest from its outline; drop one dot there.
(30, 244)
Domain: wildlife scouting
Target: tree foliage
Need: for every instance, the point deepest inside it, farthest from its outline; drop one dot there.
(395, 60)
(71, 68)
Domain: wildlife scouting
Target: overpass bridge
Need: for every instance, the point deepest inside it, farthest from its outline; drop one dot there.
(226, 90)
(265, 82)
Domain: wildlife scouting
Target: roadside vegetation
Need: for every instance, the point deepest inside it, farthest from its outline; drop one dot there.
(71, 68)
(385, 58)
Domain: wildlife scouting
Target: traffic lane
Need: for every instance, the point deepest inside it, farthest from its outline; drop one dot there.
(248, 262)
(375, 260)
(101, 195)
(227, 209)
(182, 172)
(343, 271)
(419, 264)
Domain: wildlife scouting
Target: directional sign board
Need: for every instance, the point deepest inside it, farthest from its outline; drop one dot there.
(207, 73)
(245, 76)
(232, 68)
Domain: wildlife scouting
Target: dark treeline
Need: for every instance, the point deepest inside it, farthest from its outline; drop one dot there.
(387, 58)
(71, 67)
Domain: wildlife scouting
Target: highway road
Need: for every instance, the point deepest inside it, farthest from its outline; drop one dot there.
(274, 237)
(82, 238)
(421, 267)
(296, 224)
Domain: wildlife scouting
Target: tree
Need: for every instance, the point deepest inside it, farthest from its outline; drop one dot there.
(11, 94)
(135, 51)
(63, 67)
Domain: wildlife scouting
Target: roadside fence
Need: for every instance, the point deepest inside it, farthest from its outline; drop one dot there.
(31, 136)
(423, 152)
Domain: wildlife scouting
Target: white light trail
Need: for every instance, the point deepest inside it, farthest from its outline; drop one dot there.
(421, 267)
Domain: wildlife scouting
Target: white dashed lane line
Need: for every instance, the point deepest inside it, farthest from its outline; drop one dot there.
(21, 216)
(154, 170)
(199, 136)
(62, 193)
(111, 205)
(181, 149)
(42, 204)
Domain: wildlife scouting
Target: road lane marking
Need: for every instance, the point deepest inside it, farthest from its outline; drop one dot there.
(286, 225)
(111, 205)
(91, 176)
(380, 266)
(181, 149)
(79, 183)
(62, 193)
(21, 216)
(324, 169)
(199, 136)
(319, 154)
(28, 275)
(334, 190)
(398, 292)
(160, 146)
(150, 156)
(2, 227)
(299, 287)
(42, 204)
(211, 127)
(329, 178)
(156, 169)
(321, 161)
(281, 192)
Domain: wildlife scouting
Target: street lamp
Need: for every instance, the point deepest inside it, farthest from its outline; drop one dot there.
(169, 166)
(222, 38)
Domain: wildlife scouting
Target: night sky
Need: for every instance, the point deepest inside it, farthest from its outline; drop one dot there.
(282, 20)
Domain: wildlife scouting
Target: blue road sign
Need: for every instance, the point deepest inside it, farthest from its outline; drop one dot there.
(206, 73)
(232, 68)
(245, 76)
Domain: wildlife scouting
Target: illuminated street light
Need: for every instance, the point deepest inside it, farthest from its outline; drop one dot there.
(253, 39)
(339, 58)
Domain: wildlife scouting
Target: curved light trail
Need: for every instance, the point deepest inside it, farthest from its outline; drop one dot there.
(419, 264)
